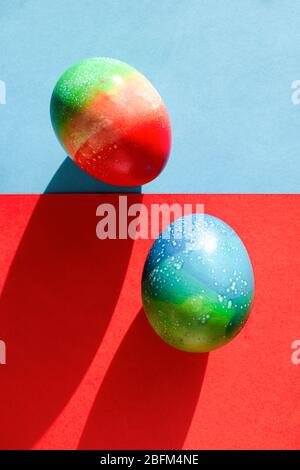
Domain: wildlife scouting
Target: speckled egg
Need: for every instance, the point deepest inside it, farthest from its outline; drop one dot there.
(111, 121)
(197, 284)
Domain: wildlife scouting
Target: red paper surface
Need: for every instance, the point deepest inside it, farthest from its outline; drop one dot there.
(84, 368)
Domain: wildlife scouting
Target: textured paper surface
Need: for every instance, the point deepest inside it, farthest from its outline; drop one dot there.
(224, 68)
(84, 368)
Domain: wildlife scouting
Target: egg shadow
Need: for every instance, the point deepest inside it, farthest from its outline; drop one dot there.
(58, 298)
(69, 178)
(148, 397)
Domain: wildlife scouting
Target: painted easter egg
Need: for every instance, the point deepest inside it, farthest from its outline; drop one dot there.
(198, 284)
(111, 121)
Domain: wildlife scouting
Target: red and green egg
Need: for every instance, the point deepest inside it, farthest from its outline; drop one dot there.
(111, 121)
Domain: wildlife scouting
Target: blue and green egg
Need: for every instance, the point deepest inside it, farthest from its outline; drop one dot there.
(197, 284)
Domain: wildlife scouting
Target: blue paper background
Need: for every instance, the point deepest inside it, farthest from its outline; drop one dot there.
(223, 67)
